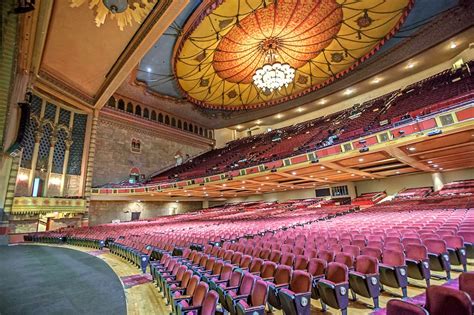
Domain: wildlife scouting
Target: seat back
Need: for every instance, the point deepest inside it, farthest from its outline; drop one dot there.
(445, 300)
(337, 272)
(199, 294)
(268, 269)
(217, 268)
(416, 252)
(301, 282)
(287, 259)
(226, 272)
(256, 265)
(275, 256)
(235, 278)
(454, 241)
(367, 264)
(393, 258)
(400, 307)
(210, 303)
(245, 261)
(301, 262)
(259, 293)
(435, 246)
(371, 251)
(344, 258)
(317, 267)
(351, 249)
(193, 283)
(466, 283)
(282, 274)
(180, 273)
(186, 277)
(247, 283)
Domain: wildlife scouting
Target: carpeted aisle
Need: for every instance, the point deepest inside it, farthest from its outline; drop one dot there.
(49, 280)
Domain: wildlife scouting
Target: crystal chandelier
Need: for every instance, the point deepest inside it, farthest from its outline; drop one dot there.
(273, 75)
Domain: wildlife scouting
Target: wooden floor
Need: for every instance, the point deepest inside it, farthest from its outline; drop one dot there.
(145, 299)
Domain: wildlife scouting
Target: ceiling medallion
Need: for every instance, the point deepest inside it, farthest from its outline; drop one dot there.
(269, 51)
(125, 11)
(273, 75)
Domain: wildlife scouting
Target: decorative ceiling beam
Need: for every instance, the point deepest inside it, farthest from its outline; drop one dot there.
(408, 160)
(350, 170)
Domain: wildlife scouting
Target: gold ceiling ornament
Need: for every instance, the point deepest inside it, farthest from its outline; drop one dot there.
(125, 11)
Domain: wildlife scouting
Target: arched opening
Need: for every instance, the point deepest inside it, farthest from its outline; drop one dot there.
(111, 102)
(129, 108)
(180, 124)
(210, 134)
(200, 131)
(185, 126)
(146, 113)
(160, 117)
(138, 110)
(191, 127)
(121, 104)
(196, 129)
(153, 115)
(173, 122)
(167, 120)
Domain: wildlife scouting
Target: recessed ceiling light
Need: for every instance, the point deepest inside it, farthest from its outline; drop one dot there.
(410, 65)
(293, 173)
(325, 178)
(148, 69)
(258, 122)
(278, 116)
(224, 185)
(311, 176)
(322, 167)
(243, 187)
(398, 172)
(266, 177)
(322, 101)
(412, 149)
(352, 175)
(243, 182)
(429, 162)
(262, 184)
(435, 165)
(440, 168)
(361, 160)
(238, 127)
(177, 201)
(453, 45)
(348, 91)
(169, 193)
(273, 189)
(376, 80)
(339, 171)
(300, 109)
(204, 188)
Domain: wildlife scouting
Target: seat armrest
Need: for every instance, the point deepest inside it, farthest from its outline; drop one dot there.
(188, 309)
(328, 283)
(178, 289)
(183, 298)
(269, 279)
(240, 297)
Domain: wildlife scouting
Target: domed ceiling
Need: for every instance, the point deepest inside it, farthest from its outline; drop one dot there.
(227, 41)
(211, 52)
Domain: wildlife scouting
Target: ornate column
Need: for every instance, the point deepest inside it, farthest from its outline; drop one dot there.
(52, 144)
(34, 160)
(90, 166)
(68, 143)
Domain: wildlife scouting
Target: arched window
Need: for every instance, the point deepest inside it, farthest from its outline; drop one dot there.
(130, 108)
(180, 124)
(167, 120)
(196, 130)
(173, 122)
(138, 110)
(200, 131)
(111, 102)
(185, 126)
(121, 104)
(160, 117)
(153, 115)
(190, 127)
(146, 113)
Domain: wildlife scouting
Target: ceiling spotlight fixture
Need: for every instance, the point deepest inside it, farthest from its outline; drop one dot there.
(273, 75)
(410, 65)
(279, 116)
(300, 109)
(361, 160)
(322, 101)
(348, 91)
(412, 149)
(376, 80)
(453, 45)
(258, 122)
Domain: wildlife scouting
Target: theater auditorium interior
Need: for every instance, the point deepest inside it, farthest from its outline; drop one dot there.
(237, 157)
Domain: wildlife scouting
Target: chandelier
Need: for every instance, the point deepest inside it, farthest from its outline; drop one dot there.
(273, 75)
(125, 11)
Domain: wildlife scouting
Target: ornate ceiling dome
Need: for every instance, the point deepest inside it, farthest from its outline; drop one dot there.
(227, 41)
